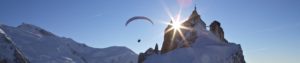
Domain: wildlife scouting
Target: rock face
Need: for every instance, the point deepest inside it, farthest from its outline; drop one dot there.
(196, 45)
(215, 28)
(28, 43)
(167, 45)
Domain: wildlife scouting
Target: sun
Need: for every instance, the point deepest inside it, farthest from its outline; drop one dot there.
(176, 28)
(176, 25)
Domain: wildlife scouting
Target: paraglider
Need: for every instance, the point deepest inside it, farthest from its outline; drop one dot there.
(136, 18)
(139, 40)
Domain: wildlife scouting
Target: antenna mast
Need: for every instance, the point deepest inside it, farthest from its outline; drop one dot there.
(195, 3)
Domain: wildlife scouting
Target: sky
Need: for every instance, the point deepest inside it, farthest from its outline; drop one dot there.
(268, 30)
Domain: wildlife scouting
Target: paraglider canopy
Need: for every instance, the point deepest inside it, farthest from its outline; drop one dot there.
(135, 18)
(138, 18)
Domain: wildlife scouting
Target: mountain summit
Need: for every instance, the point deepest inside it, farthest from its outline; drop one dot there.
(34, 30)
(195, 44)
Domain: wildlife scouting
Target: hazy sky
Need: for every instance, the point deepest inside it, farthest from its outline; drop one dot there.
(268, 30)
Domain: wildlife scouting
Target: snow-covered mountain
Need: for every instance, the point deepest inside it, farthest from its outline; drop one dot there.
(195, 45)
(27, 43)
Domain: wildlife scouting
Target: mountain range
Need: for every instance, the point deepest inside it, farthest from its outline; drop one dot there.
(28, 43)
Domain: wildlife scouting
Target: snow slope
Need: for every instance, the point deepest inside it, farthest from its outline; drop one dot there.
(40, 46)
(206, 49)
(8, 51)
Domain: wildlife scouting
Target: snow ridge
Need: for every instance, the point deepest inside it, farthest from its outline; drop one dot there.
(40, 46)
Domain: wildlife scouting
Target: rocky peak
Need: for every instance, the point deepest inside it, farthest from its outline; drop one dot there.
(194, 24)
(195, 21)
(196, 42)
(194, 13)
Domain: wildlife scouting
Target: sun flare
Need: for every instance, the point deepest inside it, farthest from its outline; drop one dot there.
(176, 28)
(176, 25)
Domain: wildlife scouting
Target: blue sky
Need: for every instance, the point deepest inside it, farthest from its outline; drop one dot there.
(268, 30)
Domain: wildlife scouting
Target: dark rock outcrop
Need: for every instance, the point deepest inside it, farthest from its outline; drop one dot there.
(215, 28)
(143, 56)
(150, 51)
(156, 51)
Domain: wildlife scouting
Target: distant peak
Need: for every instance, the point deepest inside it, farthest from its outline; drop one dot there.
(28, 26)
(34, 30)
